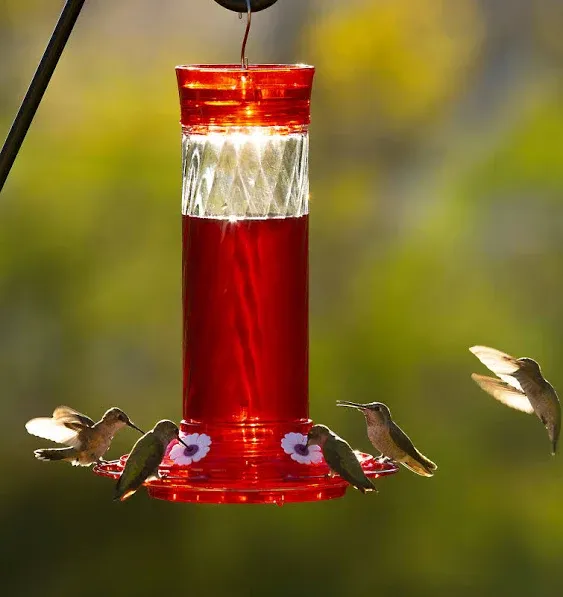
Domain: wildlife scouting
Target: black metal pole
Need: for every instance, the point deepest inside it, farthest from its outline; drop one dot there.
(37, 87)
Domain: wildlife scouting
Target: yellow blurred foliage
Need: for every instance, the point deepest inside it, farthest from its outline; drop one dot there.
(394, 62)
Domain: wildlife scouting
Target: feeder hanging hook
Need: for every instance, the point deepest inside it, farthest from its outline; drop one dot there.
(243, 58)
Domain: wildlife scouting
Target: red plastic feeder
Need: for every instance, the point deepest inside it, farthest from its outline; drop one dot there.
(245, 294)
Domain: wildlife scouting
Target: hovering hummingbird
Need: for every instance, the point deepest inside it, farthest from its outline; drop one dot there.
(340, 457)
(145, 458)
(521, 386)
(387, 437)
(87, 440)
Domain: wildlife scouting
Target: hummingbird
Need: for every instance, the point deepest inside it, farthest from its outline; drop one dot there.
(86, 440)
(145, 458)
(340, 457)
(387, 437)
(522, 386)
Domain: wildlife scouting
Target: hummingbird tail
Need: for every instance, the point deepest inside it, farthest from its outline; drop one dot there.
(121, 497)
(421, 466)
(363, 485)
(49, 454)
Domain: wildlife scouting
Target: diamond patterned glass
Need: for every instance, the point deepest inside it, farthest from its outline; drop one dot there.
(248, 172)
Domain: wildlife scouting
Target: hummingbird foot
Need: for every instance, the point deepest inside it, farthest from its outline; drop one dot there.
(102, 462)
(383, 458)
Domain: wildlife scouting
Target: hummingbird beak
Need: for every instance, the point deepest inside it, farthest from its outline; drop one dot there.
(131, 424)
(351, 404)
(182, 442)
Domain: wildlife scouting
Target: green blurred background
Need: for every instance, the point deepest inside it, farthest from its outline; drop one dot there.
(437, 223)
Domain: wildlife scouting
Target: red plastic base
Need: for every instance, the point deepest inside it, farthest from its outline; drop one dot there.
(247, 464)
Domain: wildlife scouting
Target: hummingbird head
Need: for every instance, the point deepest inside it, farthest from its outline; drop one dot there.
(117, 418)
(529, 365)
(167, 431)
(375, 412)
(317, 436)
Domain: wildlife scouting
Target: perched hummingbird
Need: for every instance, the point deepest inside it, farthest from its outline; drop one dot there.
(521, 386)
(387, 437)
(340, 457)
(87, 441)
(145, 458)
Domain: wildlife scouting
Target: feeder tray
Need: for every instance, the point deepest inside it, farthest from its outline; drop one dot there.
(306, 484)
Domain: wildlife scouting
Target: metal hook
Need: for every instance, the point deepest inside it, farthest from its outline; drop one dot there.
(243, 58)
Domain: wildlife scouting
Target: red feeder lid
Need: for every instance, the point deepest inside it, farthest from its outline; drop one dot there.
(260, 95)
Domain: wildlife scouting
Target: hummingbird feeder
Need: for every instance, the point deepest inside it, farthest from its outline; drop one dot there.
(245, 233)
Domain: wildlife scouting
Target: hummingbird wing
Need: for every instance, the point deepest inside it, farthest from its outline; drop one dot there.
(53, 430)
(341, 459)
(143, 462)
(403, 441)
(496, 361)
(69, 417)
(501, 364)
(504, 393)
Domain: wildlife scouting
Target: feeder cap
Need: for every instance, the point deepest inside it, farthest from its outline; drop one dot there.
(226, 95)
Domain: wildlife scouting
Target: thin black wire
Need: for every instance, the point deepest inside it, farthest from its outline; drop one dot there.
(37, 87)
(243, 58)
